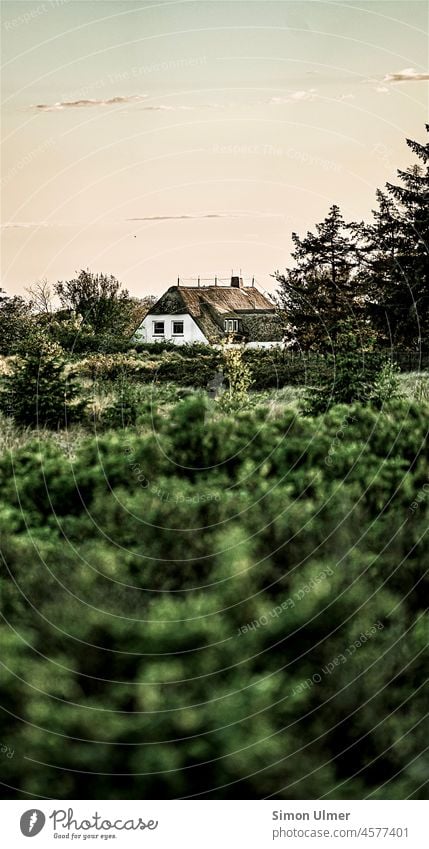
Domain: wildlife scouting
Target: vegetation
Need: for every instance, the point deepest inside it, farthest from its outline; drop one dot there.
(238, 375)
(374, 274)
(14, 323)
(37, 391)
(275, 653)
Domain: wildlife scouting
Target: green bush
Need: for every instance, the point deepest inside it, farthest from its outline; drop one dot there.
(353, 373)
(219, 608)
(40, 391)
(386, 385)
(124, 411)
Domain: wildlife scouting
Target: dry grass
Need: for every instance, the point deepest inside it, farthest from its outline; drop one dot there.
(415, 386)
(13, 438)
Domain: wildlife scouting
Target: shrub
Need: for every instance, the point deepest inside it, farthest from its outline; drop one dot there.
(124, 411)
(238, 375)
(352, 372)
(39, 391)
(103, 367)
(386, 386)
(219, 595)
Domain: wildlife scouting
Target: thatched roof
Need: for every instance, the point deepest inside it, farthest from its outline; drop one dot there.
(225, 299)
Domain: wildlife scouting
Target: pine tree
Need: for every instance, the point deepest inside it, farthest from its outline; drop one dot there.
(38, 392)
(320, 291)
(397, 249)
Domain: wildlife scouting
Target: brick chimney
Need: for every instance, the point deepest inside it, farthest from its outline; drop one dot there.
(237, 282)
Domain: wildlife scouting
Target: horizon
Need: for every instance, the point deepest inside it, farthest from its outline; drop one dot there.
(154, 141)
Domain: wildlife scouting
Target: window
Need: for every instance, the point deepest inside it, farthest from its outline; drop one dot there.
(177, 328)
(158, 328)
(231, 325)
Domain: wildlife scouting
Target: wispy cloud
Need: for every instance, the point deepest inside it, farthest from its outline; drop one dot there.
(126, 100)
(407, 75)
(207, 215)
(178, 217)
(162, 107)
(81, 104)
(295, 96)
(22, 225)
(304, 96)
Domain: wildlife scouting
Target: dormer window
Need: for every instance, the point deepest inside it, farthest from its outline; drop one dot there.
(231, 325)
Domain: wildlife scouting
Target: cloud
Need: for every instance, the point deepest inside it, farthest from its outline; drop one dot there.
(177, 217)
(295, 97)
(22, 225)
(161, 107)
(304, 95)
(407, 75)
(79, 104)
(207, 215)
(381, 89)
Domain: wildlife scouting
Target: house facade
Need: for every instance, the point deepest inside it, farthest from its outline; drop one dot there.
(207, 314)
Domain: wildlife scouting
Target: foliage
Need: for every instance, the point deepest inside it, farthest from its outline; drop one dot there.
(125, 409)
(98, 300)
(387, 385)
(320, 291)
(38, 391)
(353, 372)
(165, 366)
(377, 272)
(238, 375)
(214, 609)
(396, 257)
(111, 366)
(15, 324)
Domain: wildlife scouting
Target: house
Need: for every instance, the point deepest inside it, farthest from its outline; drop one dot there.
(208, 313)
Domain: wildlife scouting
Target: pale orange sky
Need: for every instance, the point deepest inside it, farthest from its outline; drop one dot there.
(157, 140)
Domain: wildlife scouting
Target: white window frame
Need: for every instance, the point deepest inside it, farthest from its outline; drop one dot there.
(177, 333)
(231, 325)
(158, 333)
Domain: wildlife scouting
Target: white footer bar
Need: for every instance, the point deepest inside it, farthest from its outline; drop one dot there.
(158, 824)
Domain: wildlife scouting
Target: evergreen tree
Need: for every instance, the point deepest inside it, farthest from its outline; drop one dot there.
(397, 246)
(320, 291)
(38, 392)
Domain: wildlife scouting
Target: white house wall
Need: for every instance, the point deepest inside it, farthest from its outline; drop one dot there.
(191, 331)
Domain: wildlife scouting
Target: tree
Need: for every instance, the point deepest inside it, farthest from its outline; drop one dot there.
(98, 300)
(412, 199)
(41, 297)
(38, 392)
(15, 323)
(320, 290)
(396, 248)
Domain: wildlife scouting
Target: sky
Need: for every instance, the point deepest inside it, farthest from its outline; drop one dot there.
(157, 140)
